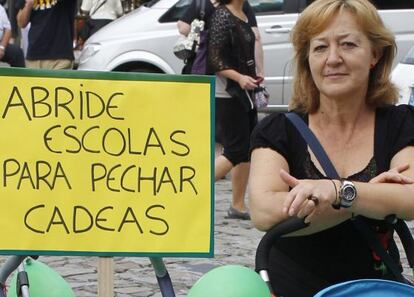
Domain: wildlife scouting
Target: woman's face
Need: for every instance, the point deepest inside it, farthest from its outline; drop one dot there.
(340, 58)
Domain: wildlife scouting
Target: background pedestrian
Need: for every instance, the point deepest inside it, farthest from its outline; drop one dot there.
(231, 56)
(9, 53)
(100, 13)
(51, 33)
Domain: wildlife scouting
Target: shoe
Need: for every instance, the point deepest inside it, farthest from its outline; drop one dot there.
(233, 213)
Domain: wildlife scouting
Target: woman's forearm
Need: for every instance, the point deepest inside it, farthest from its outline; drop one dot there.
(231, 74)
(381, 199)
(267, 211)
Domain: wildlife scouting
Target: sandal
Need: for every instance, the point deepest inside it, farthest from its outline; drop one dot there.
(233, 213)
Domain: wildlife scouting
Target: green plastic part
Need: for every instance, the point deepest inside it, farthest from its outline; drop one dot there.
(43, 281)
(230, 281)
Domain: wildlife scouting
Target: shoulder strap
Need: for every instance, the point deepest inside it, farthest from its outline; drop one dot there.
(314, 144)
(96, 8)
(201, 6)
(406, 240)
(359, 224)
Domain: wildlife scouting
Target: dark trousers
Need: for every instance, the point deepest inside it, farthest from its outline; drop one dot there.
(14, 56)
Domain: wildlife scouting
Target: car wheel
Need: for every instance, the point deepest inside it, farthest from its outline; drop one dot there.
(139, 67)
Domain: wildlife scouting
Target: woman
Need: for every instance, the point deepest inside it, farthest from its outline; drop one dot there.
(193, 12)
(343, 56)
(231, 57)
(9, 52)
(101, 13)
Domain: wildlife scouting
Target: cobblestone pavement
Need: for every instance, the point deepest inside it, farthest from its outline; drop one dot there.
(235, 243)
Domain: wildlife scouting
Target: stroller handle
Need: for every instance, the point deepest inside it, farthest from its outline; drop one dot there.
(262, 253)
(272, 235)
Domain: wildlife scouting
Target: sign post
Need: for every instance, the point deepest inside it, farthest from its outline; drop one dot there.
(106, 277)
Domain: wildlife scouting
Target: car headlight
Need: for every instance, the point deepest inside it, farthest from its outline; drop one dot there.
(88, 51)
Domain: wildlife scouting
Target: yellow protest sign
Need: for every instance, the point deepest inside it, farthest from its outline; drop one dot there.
(106, 163)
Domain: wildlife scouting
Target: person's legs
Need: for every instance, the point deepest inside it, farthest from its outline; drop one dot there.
(234, 124)
(14, 56)
(218, 149)
(240, 173)
(55, 64)
(224, 136)
(221, 167)
(239, 178)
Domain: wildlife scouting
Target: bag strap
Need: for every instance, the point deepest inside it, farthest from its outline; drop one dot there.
(407, 241)
(331, 172)
(201, 4)
(314, 144)
(96, 9)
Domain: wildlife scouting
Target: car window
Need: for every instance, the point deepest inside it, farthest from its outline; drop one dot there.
(175, 12)
(267, 6)
(150, 3)
(409, 58)
(394, 4)
(259, 6)
(390, 4)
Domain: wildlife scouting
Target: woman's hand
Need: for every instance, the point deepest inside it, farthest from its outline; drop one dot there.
(393, 176)
(307, 197)
(247, 82)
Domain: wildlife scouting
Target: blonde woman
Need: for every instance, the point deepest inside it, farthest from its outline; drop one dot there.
(343, 55)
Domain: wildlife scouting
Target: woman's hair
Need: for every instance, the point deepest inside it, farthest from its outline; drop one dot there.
(224, 2)
(313, 20)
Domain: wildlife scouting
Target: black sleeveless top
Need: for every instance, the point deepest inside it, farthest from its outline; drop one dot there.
(339, 253)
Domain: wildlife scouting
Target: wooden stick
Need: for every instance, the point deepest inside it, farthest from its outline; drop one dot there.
(106, 277)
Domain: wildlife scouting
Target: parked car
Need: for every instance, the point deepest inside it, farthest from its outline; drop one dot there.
(403, 77)
(143, 40)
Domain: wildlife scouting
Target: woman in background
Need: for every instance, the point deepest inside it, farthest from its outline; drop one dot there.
(101, 13)
(231, 56)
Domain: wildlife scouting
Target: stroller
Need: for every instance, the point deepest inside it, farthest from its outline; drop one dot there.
(357, 288)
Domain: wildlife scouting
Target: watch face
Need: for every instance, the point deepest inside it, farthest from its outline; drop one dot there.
(349, 193)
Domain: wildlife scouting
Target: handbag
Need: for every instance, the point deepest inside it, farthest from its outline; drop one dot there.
(260, 96)
(187, 46)
(360, 225)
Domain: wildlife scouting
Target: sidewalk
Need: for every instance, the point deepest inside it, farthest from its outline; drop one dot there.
(235, 243)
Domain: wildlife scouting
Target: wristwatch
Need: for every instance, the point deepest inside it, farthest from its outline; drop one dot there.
(347, 193)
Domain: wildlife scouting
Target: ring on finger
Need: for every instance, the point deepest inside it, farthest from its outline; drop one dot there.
(314, 199)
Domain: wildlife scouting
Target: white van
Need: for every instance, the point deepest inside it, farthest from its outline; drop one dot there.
(143, 40)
